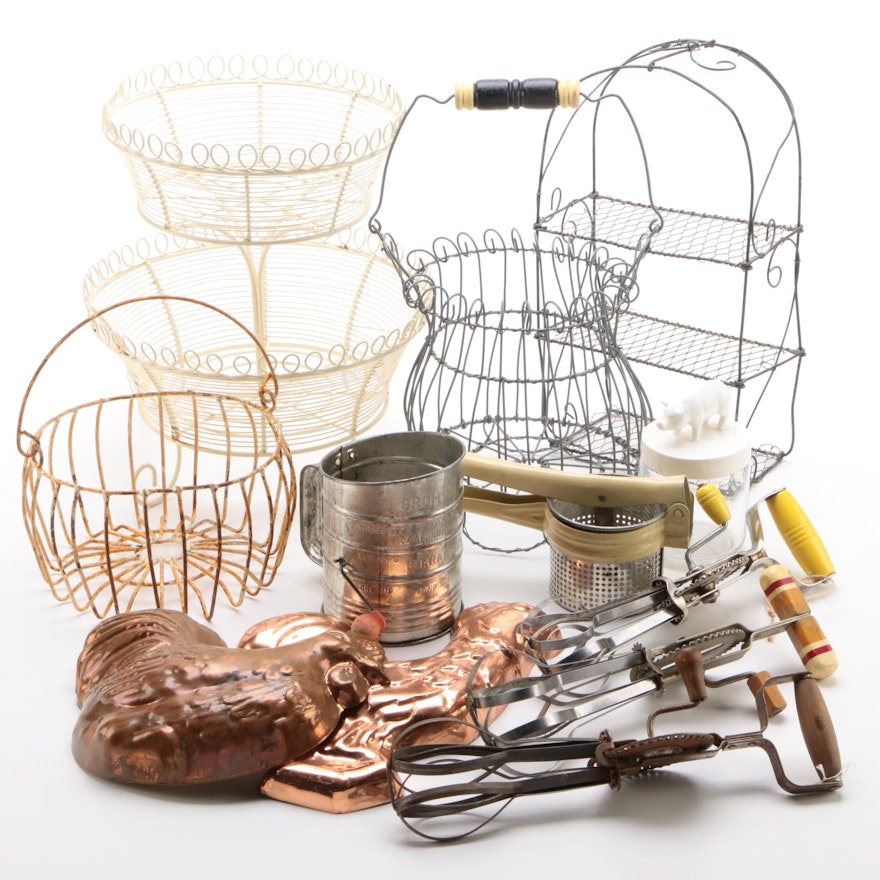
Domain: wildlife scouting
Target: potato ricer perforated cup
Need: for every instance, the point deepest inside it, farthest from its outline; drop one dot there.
(606, 533)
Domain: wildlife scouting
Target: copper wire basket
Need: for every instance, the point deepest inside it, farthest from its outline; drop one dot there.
(123, 515)
(252, 151)
(328, 315)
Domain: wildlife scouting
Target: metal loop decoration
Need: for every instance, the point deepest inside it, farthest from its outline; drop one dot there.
(166, 86)
(253, 152)
(709, 74)
(530, 359)
(268, 165)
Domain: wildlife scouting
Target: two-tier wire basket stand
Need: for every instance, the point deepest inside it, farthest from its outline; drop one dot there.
(261, 321)
(259, 174)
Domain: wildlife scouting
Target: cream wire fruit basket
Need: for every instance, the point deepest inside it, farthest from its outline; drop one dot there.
(327, 314)
(253, 151)
(121, 514)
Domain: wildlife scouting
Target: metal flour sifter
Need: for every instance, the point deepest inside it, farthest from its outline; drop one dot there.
(383, 517)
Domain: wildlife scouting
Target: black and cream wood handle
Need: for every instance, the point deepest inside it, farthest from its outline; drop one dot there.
(502, 94)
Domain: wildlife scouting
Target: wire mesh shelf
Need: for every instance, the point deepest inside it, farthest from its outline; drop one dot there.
(692, 351)
(684, 234)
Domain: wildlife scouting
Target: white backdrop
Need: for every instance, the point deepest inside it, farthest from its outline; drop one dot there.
(67, 201)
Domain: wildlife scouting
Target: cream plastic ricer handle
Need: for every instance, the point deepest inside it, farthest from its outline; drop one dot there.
(522, 510)
(593, 490)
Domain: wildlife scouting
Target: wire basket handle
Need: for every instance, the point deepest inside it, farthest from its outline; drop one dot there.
(503, 94)
(538, 93)
(268, 391)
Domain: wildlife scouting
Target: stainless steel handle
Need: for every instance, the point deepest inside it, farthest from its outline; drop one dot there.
(311, 513)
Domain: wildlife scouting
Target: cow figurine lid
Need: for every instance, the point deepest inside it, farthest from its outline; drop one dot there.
(696, 436)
